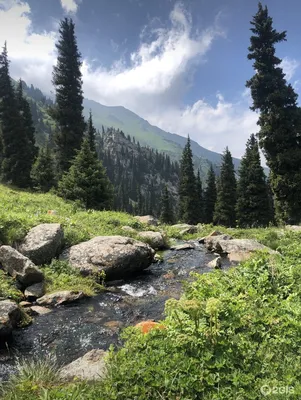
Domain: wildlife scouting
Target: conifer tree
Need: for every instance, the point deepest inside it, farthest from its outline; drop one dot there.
(210, 196)
(42, 173)
(86, 181)
(15, 144)
(68, 111)
(167, 215)
(91, 132)
(224, 213)
(199, 198)
(187, 187)
(279, 120)
(253, 209)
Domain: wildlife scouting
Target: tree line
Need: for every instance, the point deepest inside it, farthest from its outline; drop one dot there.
(75, 163)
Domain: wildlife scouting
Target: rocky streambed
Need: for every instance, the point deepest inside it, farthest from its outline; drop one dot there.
(70, 331)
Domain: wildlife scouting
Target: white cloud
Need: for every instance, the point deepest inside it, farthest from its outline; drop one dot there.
(152, 85)
(289, 66)
(70, 6)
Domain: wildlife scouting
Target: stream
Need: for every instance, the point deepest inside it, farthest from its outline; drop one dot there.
(70, 331)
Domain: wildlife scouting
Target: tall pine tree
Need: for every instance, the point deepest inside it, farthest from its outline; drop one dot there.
(210, 196)
(167, 215)
(91, 132)
(253, 208)
(86, 181)
(224, 213)
(199, 198)
(279, 120)
(42, 173)
(187, 188)
(17, 145)
(68, 111)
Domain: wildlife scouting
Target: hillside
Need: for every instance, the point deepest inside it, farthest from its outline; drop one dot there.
(150, 135)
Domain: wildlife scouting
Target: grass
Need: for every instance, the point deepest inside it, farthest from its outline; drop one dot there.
(22, 210)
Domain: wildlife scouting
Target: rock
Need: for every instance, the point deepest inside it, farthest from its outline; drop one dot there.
(185, 246)
(35, 291)
(19, 267)
(295, 228)
(147, 326)
(38, 310)
(89, 367)
(43, 243)
(117, 256)
(155, 239)
(192, 229)
(147, 219)
(236, 249)
(128, 229)
(25, 304)
(215, 235)
(10, 316)
(216, 263)
(185, 228)
(62, 297)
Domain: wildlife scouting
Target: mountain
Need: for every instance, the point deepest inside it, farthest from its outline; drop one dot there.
(150, 135)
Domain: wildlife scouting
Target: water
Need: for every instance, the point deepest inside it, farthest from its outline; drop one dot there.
(68, 332)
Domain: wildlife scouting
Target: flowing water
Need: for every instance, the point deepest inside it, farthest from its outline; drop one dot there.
(68, 332)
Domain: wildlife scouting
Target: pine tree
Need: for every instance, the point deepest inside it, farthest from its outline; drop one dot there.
(187, 187)
(224, 213)
(253, 208)
(15, 164)
(86, 181)
(28, 130)
(42, 173)
(279, 119)
(166, 216)
(199, 199)
(68, 111)
(91, 132)
(210, 196)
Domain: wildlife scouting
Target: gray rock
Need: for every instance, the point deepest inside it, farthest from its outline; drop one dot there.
(25, 304)
(216, 263)
(190, 230)
(236, 249)
(89, 367)
(295, 228)
(10, 315)
(117, 256)
(180, 227)
(20, 267)
(58, 298)
(185, 246)
(39, 310)
(147, 219)
(155, 239)
(43, 243)
(212, 242)
(35, 291)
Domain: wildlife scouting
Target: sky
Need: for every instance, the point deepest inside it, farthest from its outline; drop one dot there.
(181, 65)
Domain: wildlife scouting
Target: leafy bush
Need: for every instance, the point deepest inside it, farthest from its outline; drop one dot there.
(8, 289)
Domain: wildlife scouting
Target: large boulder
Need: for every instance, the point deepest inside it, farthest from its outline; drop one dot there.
(62, 297)
(20, 267)
(10, 316)
(147, 219)
(43, 243)
(235, 249)
(155, 239)
(90, 367)
(117, 256)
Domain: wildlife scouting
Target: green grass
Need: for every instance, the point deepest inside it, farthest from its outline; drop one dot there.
(8, 288)
(22, 210)
(230, 334)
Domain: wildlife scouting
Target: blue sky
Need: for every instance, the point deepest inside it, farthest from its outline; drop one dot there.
(180, 65)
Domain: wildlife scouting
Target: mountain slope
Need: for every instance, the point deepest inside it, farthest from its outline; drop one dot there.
(147, 134)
